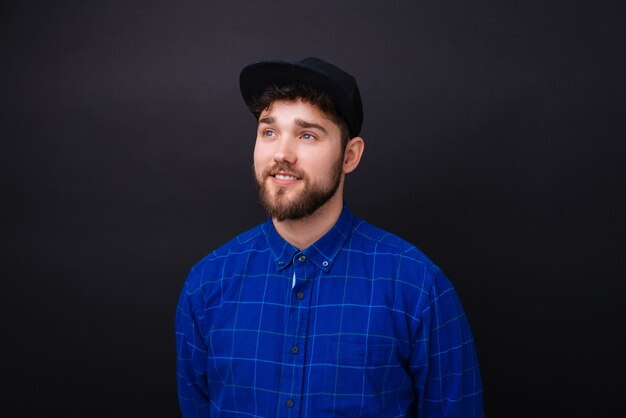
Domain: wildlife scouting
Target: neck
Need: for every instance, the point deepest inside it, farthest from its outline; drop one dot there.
(302, 233)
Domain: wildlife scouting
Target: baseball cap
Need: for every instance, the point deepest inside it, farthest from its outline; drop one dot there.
(311, 71)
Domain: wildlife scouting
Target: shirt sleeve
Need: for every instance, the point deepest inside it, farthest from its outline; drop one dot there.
(444, 363)
(191, 355)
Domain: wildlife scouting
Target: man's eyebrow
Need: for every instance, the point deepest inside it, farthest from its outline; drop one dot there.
(304, 124)
(267, 119)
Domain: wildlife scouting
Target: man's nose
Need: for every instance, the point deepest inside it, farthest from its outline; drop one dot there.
(285, 151)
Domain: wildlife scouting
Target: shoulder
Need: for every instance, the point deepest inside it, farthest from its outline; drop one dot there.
(241, 242)
(210, 266)
(374, 237)
(419, 280)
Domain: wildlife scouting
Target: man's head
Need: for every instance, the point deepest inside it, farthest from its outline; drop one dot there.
(309, 116)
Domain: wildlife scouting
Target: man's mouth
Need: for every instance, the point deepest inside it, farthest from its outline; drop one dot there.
(285, 177)
(284, 174)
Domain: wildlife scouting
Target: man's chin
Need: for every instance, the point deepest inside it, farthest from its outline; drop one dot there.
(284, 195)
(282, 205)
(282, 208)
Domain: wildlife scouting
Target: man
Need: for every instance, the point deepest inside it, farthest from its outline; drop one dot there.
(316, 313)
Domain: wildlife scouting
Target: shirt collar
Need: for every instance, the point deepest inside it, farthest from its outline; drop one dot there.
(322, 253)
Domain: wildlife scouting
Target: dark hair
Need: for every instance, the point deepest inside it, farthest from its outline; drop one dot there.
(308, 94)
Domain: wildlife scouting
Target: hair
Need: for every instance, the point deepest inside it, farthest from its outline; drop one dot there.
(307, 94)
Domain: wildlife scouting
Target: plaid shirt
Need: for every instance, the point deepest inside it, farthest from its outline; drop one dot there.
(359, 324)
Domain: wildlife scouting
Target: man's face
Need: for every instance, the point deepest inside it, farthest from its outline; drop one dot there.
(298, 159)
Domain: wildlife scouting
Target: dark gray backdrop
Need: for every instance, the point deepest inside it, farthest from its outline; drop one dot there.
(494, 133)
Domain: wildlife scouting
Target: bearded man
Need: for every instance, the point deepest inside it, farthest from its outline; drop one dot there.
(316, 313)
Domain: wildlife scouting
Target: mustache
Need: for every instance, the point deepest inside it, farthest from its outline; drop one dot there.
(285, 168)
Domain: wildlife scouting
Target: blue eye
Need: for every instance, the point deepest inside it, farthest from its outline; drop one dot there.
(308, 136)
(268, 132)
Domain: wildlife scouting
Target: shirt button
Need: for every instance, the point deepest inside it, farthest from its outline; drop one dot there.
(294, 350)
(325, 263)
(302, 258)
(300, 295)
(281, 263)
(290, 403)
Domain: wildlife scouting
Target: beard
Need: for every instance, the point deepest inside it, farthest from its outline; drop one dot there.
(306, 202)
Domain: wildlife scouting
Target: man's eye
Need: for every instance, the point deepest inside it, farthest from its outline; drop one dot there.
(268, 132)
(308, 136)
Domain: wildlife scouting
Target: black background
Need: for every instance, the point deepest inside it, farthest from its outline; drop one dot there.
(494, 142)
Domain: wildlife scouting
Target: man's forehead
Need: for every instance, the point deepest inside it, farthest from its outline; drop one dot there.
(291, 109)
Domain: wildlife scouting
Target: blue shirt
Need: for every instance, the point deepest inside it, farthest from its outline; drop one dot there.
(359, 324)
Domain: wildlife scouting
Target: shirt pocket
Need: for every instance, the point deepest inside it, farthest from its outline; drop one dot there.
(363, 354)
(357, 373)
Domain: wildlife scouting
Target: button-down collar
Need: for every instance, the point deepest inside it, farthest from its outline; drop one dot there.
(322, 253)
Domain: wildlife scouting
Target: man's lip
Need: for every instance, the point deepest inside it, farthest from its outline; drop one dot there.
(284, 173)
(284, 182)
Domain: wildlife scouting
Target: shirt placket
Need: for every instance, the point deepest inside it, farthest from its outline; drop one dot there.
(297, 321)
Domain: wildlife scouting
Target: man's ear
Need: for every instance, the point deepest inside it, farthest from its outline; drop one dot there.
(352, 156)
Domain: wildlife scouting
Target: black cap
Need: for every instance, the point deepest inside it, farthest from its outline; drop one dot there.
(314, 72)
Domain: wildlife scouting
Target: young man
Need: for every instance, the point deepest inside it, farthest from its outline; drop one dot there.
(316, 313)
